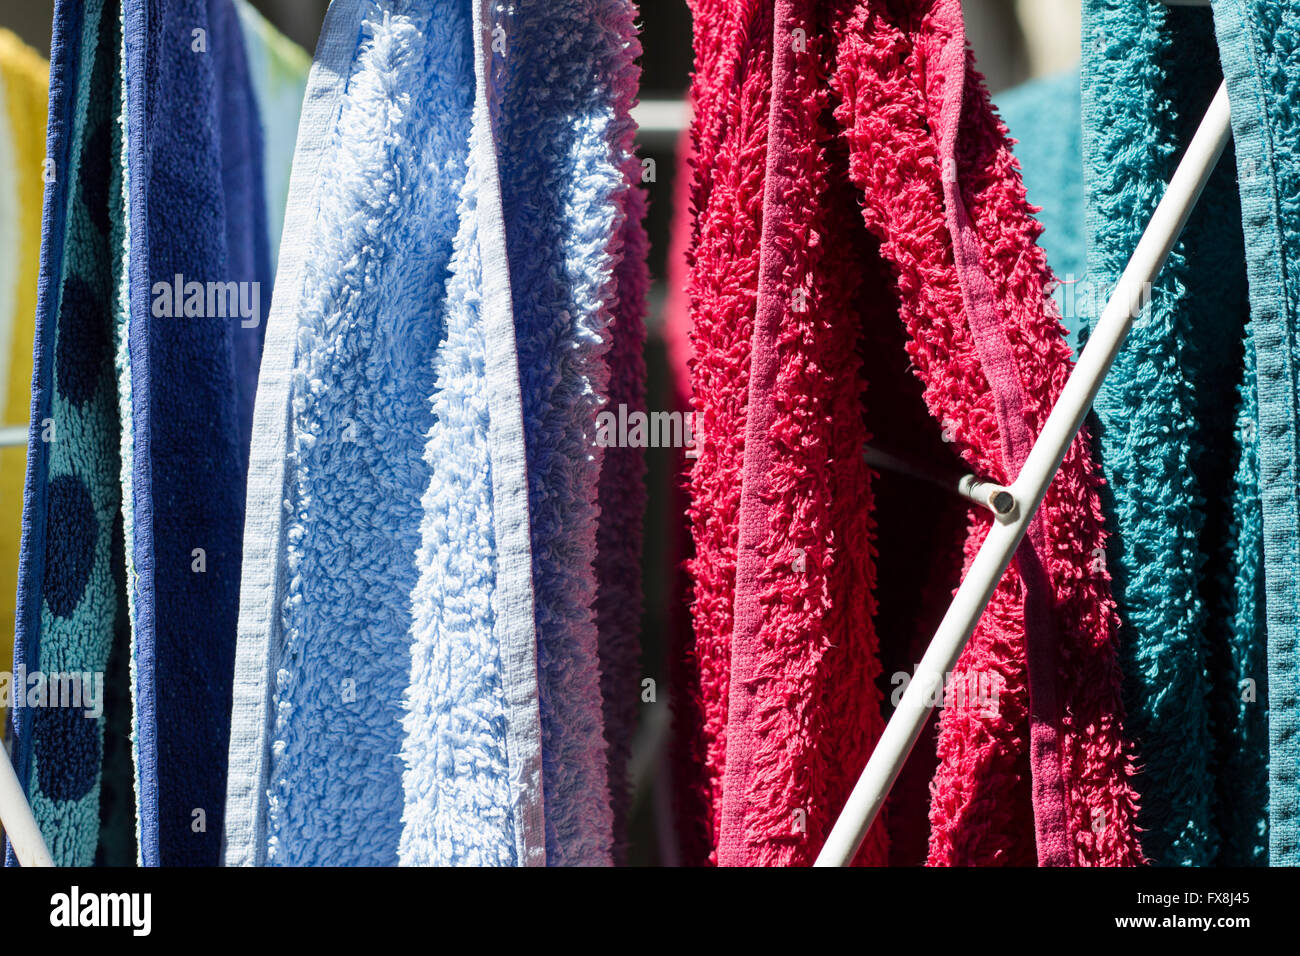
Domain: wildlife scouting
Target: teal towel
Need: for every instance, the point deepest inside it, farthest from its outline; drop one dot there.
(1197, 421)
(1043, 117)
(1259, 45)
(72, 594)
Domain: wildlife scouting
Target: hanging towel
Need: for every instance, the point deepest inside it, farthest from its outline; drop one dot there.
(1199, 458)
(337, 472)
(24, 90)
(569, 80)
(1039, 771)
(1259, 47)
(277, 68)
(71, 587)
(1177, 443)
(802, 704)
(1047, 642)
(472, 749)
(729, 95)
(200, 282)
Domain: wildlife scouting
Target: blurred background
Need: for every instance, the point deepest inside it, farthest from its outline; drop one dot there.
(1013, 40)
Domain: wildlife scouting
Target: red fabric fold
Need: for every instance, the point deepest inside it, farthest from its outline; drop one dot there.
(802, 108)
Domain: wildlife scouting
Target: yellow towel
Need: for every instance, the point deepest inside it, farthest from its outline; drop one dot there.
(24, 94)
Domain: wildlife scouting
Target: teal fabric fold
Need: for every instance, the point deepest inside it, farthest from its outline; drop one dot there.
(1044, 118)
(1197, 422)
(1259, 46)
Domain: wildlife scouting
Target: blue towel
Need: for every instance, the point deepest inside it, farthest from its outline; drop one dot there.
(1189, 421)
(574, 267)
(197, 221)
(566, 68)
(472, 750)
(71, 591)
(337, 471)
(1259, 47)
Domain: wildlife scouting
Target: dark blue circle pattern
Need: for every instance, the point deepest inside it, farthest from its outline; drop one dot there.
(66, 742)
(69, 544)
(83, 341)
(95, 177)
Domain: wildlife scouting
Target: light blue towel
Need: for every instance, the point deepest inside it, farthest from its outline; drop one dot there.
(567, 67)
(558, 94)
(473, 781)
(342, 416)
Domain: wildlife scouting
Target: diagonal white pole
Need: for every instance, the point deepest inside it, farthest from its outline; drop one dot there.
(1029, 487)
(20, 826)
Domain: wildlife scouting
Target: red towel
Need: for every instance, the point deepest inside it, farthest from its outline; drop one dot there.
(783, 280)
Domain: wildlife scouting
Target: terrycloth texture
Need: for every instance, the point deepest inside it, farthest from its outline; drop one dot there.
(1048, 637)
(1044, 119)
(802, 703)
(24, 90)
(1178, 439)
(472, 750)
(569, 78)
(1259, 47)
(277, 68)
(730, 93)
(1042, 773)
(622, 491)
(196, 211)
(326, 615)
(71, 595)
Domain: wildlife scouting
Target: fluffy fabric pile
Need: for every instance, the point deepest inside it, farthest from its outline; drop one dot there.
(1202, 488)
(141, 413)
(785, 652)
(424, 672)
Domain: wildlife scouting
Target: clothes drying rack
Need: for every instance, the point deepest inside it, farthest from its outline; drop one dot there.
(1013, 507)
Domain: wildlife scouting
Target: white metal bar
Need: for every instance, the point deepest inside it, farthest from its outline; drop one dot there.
(13, 435)
(1030, 486)
(986, 494)
(20, 826)
(661, 120)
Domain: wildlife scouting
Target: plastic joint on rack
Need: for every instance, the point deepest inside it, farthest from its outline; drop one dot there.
(987, 494)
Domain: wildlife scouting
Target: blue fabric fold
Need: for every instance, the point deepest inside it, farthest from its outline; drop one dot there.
(472, 750)
(71, 600)
(567, 67)
(337, 469)
(196, 214)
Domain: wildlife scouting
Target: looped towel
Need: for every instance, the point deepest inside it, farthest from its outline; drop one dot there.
(1198, 430)
(786, 542)
(420, 651)
(337, 466)
(143, 387)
